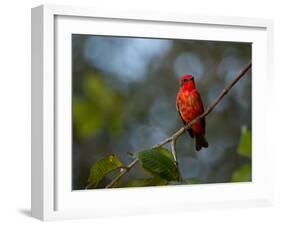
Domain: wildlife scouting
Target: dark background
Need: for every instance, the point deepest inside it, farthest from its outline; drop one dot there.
(124, 92)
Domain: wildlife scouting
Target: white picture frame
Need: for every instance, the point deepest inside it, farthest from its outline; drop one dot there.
(52, 197)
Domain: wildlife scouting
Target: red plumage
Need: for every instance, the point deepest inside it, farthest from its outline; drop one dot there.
(189, 106)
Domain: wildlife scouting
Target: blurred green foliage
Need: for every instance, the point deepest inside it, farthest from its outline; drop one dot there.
(245, 145)
(99, 108)
(244, 172)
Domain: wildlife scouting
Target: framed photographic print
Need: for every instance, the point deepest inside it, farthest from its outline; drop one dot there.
(136, 112)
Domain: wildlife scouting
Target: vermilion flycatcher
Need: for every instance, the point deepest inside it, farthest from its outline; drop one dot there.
(189, 106)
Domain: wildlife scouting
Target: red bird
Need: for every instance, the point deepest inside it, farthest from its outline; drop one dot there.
(189, 106)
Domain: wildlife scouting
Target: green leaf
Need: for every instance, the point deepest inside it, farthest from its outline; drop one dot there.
(165, 152)
(158, 162)
(147, 182)
(245, 145)
(101, 168)
(242, 174)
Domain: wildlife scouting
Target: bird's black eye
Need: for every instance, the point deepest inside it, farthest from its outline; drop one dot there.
(186, 80)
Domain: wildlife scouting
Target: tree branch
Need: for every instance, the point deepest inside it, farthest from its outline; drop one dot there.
(208, 110)
(172, 139)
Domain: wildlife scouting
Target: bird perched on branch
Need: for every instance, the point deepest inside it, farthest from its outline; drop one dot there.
(189, 106)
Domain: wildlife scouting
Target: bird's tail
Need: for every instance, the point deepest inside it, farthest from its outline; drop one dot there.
(200, 141)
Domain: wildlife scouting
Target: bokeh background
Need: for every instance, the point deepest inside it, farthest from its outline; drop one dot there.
(124, 92)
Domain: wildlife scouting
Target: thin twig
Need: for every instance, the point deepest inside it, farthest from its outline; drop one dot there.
(172, 139)
(173, 149)
(124, 171)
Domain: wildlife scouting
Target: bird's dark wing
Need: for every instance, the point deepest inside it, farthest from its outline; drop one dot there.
(203, 122)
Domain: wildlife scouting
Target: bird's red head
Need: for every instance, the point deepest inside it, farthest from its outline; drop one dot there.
(186, 79)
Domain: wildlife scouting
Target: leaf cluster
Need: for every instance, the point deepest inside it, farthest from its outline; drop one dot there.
(161, 168)
(157, 162)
